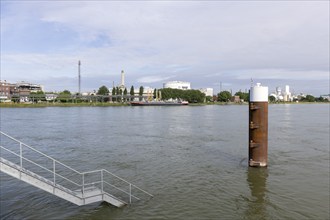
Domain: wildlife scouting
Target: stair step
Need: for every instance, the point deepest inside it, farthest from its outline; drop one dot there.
(91, 194)
(85, 194)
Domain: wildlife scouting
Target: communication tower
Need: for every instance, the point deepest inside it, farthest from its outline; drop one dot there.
(79, 78)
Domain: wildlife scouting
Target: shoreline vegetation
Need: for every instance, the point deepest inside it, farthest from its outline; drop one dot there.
(115, 104)
(103, 98)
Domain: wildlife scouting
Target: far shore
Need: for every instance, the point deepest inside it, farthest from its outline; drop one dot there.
(113, 104)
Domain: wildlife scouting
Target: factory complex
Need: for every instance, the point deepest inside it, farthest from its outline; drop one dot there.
(22, 91)
(149, 90)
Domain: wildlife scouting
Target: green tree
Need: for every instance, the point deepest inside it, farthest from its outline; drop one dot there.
(15, 98)
(141, 92)
(224, 96)
(113, 94)
(125, 95)
(243, 96)
(155, 93)
(37, 96)
(103, 90)
(116, 94)
(321, 99)
(309, 98)
(121, 95)
(192, 96)
(271, 98)
(64, 96)
(66, 92)
(208, 98)
(131, 92)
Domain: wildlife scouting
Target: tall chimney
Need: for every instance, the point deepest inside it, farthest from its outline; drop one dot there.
(122, 78)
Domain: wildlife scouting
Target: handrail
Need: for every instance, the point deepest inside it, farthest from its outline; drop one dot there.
(121, 190)
(136, 187)
(68, 179)
(10, 151)
(115, 176)
(39, 152)
(40, 166)
(37, 164)
(93, 171)
(100, 172)
(50, 158)
(9, 136)
(92, 183)
(128, 182)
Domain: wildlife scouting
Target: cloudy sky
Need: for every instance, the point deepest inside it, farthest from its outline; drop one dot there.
(205, 43)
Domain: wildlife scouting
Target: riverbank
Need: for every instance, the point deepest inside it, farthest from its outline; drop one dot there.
(111, 104)
(58, 104)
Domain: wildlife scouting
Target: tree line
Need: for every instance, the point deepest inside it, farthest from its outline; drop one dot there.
(119, 95)
(192, 96)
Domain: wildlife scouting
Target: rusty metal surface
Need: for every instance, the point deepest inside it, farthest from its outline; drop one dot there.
(258, 134)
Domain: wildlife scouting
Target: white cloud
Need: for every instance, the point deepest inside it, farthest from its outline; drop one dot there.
(283, 74)
(191, 40)
(153, 79)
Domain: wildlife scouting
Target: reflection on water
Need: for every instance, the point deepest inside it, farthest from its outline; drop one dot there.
(257, 181)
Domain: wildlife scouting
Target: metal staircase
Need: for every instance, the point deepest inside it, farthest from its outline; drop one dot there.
(40, 170)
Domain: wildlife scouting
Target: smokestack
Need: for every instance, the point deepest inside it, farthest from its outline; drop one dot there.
(258, 126)
(122, 78)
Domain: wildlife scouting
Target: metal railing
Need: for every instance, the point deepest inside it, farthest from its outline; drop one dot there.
(61, 175)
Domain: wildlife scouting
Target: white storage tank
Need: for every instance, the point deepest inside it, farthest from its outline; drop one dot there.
(177, 85)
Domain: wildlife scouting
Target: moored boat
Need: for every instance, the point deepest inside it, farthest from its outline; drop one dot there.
(158, 103)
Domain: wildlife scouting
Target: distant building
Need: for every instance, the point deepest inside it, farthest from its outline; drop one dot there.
(50, 96)
(148, 93)
(280, 95)
(21, 89)
(235, 99)
(301, 96)
(207, 91)
(6, 90)
(93, 93)
(177, 85)
(25, 86)
(287, 94)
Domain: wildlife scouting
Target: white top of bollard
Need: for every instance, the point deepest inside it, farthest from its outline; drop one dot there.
(259, 93)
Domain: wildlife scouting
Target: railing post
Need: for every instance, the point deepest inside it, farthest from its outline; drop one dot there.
(54, 172)
(20, 155)
(102, 181)
(130, 193)
(83, 184)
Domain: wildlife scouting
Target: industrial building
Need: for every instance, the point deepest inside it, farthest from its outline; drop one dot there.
(177, 85)
(21, 89)
(284, 96)
(207, 91)
(122, 82)
(6, 90)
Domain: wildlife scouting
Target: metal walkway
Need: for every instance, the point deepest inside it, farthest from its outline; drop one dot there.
(40, 170)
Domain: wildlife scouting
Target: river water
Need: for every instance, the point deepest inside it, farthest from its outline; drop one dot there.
(193, 159)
